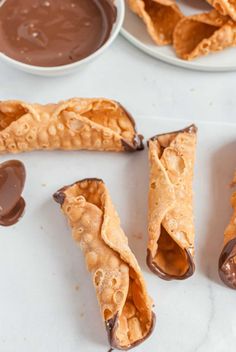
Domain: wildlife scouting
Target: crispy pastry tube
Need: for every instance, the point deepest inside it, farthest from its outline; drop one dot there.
(92, 124)
(227, 260)
(171, 229)
(202, 34)
(121, 291)
(225, 7)
(159, 16)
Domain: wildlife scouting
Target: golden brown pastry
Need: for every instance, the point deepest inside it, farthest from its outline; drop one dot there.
(159, 16)
(202, 34)
(227, 260)
(92, 124)
(121, 291)
(225, 7)
(170, 222)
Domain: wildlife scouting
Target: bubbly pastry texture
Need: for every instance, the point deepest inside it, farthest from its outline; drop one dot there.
(121, 291)
(79, 123)
(225, 7)
(227, 260)
(171, 227)
(202, 34)
(159, 16)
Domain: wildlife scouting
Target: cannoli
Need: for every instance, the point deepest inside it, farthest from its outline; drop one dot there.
(170, 220)
(159, 16)
(202, 34)
(225, 7)
(227, 260)
(125, 305)
(92, 124)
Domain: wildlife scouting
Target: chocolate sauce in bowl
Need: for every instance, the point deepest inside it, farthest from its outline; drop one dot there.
(54, 32)
(12, 180)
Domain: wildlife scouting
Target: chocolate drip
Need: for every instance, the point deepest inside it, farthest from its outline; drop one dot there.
(12, 180)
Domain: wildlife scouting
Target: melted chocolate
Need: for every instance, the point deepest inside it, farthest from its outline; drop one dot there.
(227, 264)
(54, 32)
(12, 180)
(111, 326)
(163, 275)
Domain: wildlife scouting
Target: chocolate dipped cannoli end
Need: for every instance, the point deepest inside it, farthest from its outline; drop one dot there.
(170, 221)
(227, 260)
(124, 303)
(76, 124)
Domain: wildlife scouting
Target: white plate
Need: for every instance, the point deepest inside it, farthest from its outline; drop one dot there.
(47, 301)
(135, 31)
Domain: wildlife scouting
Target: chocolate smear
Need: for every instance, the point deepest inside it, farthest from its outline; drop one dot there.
(12, 180)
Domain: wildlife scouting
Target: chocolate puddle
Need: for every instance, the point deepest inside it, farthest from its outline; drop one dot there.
(12, 180)
(54, 32)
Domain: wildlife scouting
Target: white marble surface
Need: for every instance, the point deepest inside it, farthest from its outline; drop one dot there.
(37, 304)
(146, 86)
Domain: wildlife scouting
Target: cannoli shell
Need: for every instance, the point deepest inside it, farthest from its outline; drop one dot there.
(225, 7)
(170, 220)
(227, 260)
(121, 291)
(202, 34)
(159, 16)
(91, 124)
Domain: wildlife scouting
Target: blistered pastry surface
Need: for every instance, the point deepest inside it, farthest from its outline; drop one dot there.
(92, 124)
(117, 278)
(225, 7)
(159, 16)
(202, 34)
(171, 195)
(171, 159)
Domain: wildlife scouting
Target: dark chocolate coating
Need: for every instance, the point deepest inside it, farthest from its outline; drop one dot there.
(12, 180)
(137, 144)
(159, 272)
(227, 266)
(111, 325)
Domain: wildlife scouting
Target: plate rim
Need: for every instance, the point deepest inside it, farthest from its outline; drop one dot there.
(174, 61)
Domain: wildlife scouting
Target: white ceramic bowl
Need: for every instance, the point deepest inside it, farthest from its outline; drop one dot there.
(75, 66)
